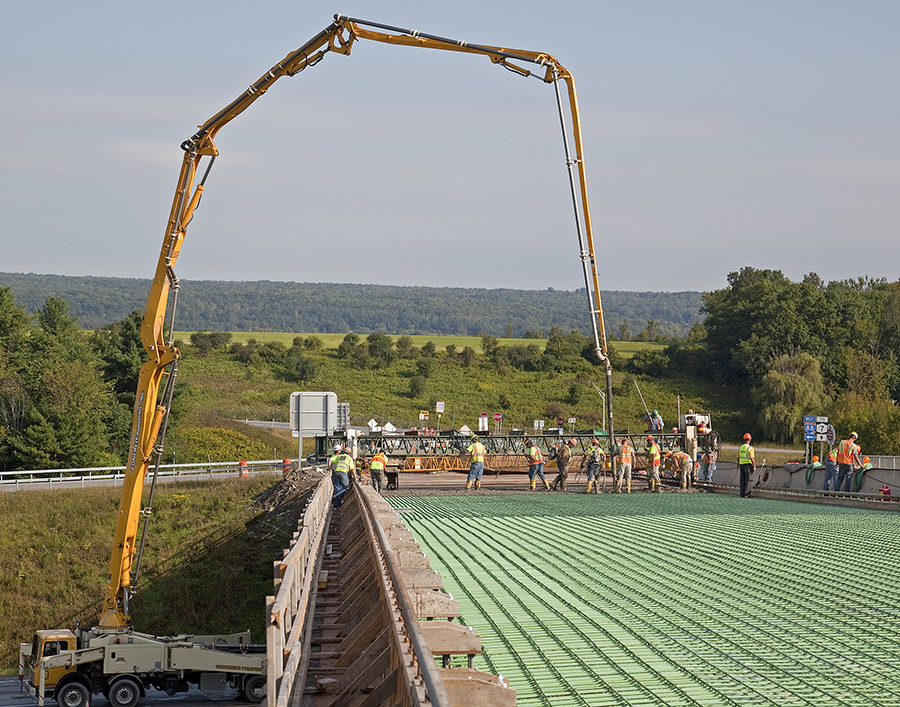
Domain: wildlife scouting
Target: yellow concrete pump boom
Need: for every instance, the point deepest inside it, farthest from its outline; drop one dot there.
(151, 407)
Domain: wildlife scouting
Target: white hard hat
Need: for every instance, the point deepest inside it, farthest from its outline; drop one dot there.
(336, 448)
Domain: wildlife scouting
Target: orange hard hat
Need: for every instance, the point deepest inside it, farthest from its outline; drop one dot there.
(571, 442)
(866, 460)
(747, 435)
(815, 459)
(649, 438)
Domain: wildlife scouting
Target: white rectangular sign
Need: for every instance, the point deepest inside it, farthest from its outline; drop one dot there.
(313, 413)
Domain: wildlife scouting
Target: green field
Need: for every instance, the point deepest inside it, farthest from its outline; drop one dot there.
(331, 341)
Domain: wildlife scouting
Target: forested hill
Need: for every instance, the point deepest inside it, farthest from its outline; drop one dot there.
(326, 307)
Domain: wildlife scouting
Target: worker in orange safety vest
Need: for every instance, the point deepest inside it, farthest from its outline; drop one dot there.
(535, 465)
(623, 468)
(376, 470)
(847, 460)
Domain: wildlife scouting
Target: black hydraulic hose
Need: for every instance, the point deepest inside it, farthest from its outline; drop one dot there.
(167, 396)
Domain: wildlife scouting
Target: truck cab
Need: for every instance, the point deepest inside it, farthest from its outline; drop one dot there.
(48, 643)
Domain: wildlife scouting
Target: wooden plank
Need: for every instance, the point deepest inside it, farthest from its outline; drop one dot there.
(446, 638)
(430, 604)
(362, 635)
(420, 578)
(365, 673)
(467, 687)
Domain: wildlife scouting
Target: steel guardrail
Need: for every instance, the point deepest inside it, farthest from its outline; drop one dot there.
(85, 476)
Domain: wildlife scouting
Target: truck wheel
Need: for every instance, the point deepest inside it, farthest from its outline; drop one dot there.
(124, 692)
(72, 694)
(255, 688)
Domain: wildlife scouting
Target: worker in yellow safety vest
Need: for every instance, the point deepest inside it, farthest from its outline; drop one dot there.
(653, 461)
(623, 468)
(341, 465)
(535, 465)
(476, 463)
(847, 460)
(376, 470)
(747, 464)
(594, 460)
(683, 465)
(831, 470)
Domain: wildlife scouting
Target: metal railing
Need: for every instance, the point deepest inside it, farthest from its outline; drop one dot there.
(115, 475)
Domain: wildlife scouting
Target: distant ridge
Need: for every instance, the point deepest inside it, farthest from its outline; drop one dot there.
(215, 305)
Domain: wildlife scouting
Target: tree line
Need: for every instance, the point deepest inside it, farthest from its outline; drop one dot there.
(783, 349)
(799, 348)
(331, 307)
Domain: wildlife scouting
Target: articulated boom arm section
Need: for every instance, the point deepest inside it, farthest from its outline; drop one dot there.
(151, 406)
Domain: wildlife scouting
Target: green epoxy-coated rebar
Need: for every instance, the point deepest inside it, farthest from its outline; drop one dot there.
(672, 599)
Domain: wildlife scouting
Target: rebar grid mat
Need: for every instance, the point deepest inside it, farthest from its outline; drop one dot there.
(672, 599)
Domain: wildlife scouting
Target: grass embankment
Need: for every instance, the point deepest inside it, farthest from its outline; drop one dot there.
(215, 390)
(207, 567)
(215, 387)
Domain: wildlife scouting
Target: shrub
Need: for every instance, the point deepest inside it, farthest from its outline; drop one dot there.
(197, 444)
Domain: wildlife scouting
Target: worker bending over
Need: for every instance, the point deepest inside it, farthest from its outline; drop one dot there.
(683, 467)
(476, 463)
(595, 458)
(623, 468)
(535, 465)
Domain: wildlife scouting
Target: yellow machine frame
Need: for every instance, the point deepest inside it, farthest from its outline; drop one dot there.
(151, 407)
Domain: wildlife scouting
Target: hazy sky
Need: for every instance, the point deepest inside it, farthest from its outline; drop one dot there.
(718, 134)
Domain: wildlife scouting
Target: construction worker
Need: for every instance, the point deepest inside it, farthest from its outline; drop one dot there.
(535, 465)
(476, 463)
(594, 459)
(683, 467)
(623, 468)
(710, 446)
(848, 460)
(655, 421)
(747, 464)
(341, 466)
(831, 470)
(563, 458)
(376, 470)
(653, 461)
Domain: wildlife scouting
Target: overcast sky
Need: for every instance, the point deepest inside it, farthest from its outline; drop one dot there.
(717, 135)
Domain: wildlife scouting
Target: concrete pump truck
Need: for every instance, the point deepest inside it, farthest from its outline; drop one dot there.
(112, 658)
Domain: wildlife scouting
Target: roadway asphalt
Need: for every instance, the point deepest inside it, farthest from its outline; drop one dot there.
(10, 697)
